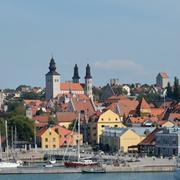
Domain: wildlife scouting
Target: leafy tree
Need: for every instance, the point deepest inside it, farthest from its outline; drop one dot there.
(52, 120)
(176, 93)
(19, 88)
(169, 91)
(73, 126)
(16, 108)
(2, 127)
(30, 95)
(24, 125)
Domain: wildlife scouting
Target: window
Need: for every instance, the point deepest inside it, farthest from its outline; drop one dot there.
(65, 142)
(50, 133)
(46, 146)
(102, 119)
(54, 146)
(46, 139)
(102, 126)
(116, 125)
(54, 139)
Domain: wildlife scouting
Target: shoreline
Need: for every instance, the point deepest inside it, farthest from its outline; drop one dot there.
(108, 169)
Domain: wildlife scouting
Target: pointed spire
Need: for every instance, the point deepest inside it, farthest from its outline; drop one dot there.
(88, 72)
(52, 67)
(76, 74)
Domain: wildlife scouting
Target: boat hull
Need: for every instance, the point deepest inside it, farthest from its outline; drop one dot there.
(79, 164)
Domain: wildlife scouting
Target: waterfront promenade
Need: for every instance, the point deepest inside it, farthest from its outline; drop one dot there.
(111, 163)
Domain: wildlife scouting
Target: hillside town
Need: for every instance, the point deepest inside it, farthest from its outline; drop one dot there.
(115, 118)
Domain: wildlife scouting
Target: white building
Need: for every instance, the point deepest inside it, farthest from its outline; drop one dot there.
(55, 88)
(1, 99)
(162, 80)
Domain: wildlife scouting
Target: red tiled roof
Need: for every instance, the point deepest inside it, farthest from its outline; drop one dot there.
(125, 106)
(71, 86)
(143, 104)
(66, 116)
(138, 120)
(83, 105)
(157, 111)
(41, 119)
(33, 102)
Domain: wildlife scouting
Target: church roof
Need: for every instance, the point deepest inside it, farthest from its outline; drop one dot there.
(52, 68)
(69, 86)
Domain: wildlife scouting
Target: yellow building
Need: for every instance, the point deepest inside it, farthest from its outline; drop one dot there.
(119, 139)
(98, 124)
(48, 138)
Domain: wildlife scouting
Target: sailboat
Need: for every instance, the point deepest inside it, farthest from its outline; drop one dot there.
(80, 162)
(8, 164)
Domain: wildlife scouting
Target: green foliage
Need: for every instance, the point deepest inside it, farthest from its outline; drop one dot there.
(25, 127)
(73, 126)
(2, 127)
(30, 95)
(52, 121)
(150, 97)
(19, 88)
(16, 108)
(118, 90)
(176, 93)
(97, 92)
(169, 91)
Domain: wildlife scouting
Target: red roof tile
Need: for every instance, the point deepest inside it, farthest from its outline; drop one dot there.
(66, 116)
(71, 86)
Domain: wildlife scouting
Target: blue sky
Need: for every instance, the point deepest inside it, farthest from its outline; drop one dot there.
(131, 40)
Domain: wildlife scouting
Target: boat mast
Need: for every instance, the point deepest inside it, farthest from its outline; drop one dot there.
(78, 148)
(7, 148)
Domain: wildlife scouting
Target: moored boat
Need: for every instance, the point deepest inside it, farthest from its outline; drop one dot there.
(80, 163)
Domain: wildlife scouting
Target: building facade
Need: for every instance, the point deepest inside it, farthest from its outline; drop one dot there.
(54, 87)
(168, 142)
(162, 80)
(98, 124)
(52, 81)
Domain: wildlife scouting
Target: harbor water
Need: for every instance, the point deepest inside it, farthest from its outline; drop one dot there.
(105, 176)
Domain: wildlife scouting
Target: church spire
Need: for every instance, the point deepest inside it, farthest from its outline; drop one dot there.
(52, 67)
(76, 77)
(88, 72)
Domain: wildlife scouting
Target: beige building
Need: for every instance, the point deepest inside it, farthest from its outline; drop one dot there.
(97, 124)
(120, 139)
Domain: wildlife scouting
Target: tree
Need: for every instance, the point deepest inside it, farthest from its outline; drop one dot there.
(169, 91)
(24, 125)
(176, 93)
(73, 126)
(52, 121)
(30, 95)
(16, 107)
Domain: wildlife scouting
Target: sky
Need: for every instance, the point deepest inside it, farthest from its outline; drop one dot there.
(132, 40)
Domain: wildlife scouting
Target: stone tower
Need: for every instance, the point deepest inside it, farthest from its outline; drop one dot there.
(88, 82)
(52, 81)
(76, 77)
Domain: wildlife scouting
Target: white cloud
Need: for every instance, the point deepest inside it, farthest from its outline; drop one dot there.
(119, 64)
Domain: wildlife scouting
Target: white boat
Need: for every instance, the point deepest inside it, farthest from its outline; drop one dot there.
(80, 162)
(7, 163)
(4, 164)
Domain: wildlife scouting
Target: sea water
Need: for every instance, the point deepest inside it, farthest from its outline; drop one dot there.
(100, 176)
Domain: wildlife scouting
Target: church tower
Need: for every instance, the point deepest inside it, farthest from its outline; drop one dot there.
(52, 81)
(88, 82)
(76, 77)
